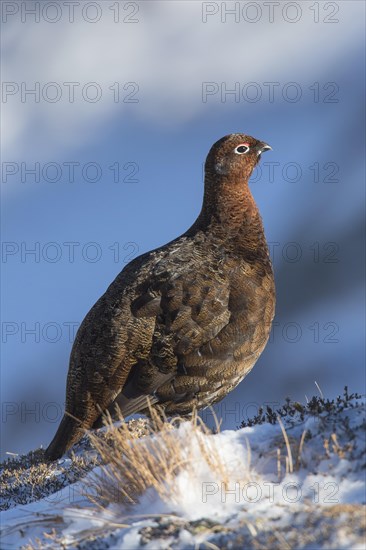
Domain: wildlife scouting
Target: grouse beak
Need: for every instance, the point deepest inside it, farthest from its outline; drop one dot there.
(262, 147)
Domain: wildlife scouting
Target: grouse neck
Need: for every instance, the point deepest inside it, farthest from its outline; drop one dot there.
(228, 204)
(230, 216)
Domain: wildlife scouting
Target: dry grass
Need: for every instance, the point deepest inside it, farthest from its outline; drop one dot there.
(293, 448)
(130, 466)
(331, 445)
(289, 461)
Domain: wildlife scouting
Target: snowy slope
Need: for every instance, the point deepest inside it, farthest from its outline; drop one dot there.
(294, 482)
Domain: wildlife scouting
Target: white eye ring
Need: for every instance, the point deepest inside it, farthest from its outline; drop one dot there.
(242, 149)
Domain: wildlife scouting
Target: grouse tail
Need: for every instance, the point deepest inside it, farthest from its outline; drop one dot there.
(68, 433)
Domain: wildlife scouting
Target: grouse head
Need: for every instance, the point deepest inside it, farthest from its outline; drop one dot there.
(227, 198)
(234, 157)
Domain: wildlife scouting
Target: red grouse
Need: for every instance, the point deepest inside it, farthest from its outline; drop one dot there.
(181, 325)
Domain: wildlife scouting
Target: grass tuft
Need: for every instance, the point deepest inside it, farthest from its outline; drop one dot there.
(130, 467)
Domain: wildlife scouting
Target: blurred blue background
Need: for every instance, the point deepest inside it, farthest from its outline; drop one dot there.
(310, 189)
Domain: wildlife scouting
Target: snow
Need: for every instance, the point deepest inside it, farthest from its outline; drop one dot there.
(260, 498)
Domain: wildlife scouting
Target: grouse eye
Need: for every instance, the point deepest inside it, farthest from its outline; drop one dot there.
(242, 149)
